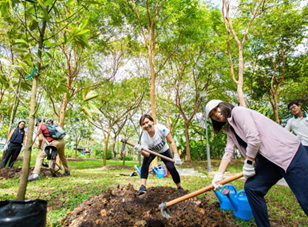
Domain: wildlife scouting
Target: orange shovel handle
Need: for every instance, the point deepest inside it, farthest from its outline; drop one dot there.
(202, 190)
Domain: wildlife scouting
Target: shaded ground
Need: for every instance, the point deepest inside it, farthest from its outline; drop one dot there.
(122, 207)
(116, 167)
(75, 160)
(15, 172)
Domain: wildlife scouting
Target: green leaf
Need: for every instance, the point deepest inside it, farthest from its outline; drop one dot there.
(34, 24)
(4, 8)
(95, 109)
(25, 86)
(20, 50)
(46, 16)
(86, 111)
(91, 95)
(4, 81)
(62, 89)
(24, 66)
(18, 41)
(40, 2)
(49, 2)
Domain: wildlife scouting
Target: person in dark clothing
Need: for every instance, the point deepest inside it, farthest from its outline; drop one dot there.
(14, 144)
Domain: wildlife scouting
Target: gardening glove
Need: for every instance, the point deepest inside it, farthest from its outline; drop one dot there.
(218, 177)
(248, 169)
(177, 159)
(5, 147)
(22, 148)
(138, 148)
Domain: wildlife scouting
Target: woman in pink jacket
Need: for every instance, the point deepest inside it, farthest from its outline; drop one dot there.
(270, 151)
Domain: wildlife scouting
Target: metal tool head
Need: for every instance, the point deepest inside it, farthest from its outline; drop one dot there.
(164, 210)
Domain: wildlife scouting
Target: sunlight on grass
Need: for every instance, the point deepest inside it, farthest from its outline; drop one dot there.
(89, 179)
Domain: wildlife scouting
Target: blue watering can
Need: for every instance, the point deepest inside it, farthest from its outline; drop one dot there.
(225, 203)
(160, 171)
(242, 209)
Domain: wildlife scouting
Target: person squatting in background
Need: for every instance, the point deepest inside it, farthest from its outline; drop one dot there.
(17, 140)
(270, 151)
(59, 144)
(154, 138)
(298, 123)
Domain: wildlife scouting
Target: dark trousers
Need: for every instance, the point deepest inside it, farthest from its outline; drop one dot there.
(267, 175)
(12, 154)
(170, 166)
(306, 147)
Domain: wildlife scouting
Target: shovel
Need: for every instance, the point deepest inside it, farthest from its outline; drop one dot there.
(164, 206)
(147, 150)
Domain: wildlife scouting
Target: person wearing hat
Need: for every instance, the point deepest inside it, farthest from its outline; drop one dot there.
(270, 151)
(14, 144)
(59, 144)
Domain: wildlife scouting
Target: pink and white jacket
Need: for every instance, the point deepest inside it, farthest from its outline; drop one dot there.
(262, 135)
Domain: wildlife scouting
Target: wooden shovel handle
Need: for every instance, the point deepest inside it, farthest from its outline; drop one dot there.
(149, 151)
(202, 190)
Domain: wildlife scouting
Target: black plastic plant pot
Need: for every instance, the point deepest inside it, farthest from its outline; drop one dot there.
(28, 213)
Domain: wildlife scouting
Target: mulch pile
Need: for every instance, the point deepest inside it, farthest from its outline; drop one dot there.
(123, 207)
(15, 172)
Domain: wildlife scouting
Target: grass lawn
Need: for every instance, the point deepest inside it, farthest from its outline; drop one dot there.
(88, 179)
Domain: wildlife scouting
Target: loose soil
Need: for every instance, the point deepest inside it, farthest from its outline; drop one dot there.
(123, 207)
(15, 172)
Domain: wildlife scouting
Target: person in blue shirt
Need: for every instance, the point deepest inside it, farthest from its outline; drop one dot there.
(14, 144)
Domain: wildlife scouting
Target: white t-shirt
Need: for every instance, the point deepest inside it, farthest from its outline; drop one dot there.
(300, 127)
(157, 143)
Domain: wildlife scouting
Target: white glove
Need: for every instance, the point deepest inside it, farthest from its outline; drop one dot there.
(5, 147)
(177, 159)
(138, 148)
(248, 169)
(218, 177)
(22, 148)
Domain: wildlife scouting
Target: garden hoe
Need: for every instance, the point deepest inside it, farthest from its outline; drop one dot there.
(145, 151)
(164, 206)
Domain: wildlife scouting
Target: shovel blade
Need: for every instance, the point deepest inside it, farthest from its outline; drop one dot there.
(164, 211)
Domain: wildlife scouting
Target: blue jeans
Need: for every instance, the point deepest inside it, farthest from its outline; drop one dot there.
(267, 175)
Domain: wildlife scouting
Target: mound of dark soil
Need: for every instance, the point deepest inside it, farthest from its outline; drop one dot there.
(8, 173)
(116, 167)
(123, 207)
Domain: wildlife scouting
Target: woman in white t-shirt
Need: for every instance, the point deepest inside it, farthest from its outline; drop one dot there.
(154, 138)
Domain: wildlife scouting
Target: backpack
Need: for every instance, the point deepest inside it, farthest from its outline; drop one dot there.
(55, 131)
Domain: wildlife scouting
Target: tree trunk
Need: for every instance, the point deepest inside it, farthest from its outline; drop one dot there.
(21, 193)
(276, 109)
(187, 157)
(106, 146)
(240, 76)
(62, 112)
(27, 153)
(113, 146)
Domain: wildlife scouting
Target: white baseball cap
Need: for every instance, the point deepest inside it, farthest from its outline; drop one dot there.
(210, 106)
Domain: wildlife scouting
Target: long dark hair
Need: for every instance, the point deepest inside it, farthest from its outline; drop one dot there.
(18, 129)
(143, 117)
(226, 109)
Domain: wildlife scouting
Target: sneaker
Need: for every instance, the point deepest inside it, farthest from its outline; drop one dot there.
(142, 190)
(33, 177)
(180, 188)
(45, 164)
(67, 173)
